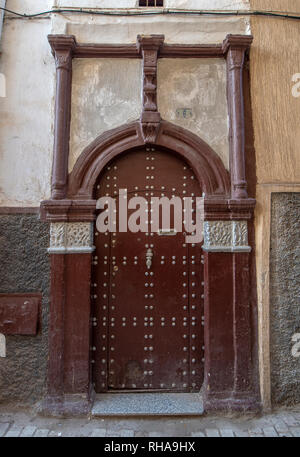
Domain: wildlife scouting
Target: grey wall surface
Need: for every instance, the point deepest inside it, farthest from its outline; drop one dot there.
(24, 267)
(285, 297)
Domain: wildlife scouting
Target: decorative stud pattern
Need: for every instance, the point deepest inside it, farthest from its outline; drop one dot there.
(140, 325)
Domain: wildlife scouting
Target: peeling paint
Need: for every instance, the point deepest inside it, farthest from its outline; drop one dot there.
(106, 93)
(198, 85)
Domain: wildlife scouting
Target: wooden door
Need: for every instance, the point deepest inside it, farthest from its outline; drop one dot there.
(148, 329)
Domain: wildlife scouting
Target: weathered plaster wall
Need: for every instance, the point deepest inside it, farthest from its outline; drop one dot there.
(275, 52)
(26, 113)
(29, 6)
(106, 93)
(24, 268)
(274, 59)
(198, 85)
(285, 296)
(177, 29)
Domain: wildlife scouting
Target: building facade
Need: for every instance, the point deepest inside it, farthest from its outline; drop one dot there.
(162, 102)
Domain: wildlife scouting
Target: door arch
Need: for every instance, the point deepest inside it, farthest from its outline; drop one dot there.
(206, 164)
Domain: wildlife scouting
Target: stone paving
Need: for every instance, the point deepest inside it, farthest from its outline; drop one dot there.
(279, 423)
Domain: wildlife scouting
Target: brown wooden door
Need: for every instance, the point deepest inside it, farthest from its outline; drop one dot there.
(147, 321)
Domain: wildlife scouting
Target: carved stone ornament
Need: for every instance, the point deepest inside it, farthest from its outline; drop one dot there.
(226, 236)
(71, 238)
(148, 46)
(63, 60)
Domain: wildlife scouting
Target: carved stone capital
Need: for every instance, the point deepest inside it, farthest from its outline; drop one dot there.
(62, 47)
(63, 60)
(226, 236)
(235, 47)
(71, 238)
(237, 42)
(235, 58)
(150, 43)
(149, 132)
(150, 124)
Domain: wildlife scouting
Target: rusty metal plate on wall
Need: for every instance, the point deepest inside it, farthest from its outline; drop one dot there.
(148, 287)
(19, 313)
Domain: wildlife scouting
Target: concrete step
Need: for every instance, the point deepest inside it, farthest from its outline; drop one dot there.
(148, 404)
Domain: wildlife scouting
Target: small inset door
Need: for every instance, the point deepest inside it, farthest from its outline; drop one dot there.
(147, 288)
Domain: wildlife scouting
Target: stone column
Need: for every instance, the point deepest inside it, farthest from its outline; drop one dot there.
(234, 48)
(62, 48)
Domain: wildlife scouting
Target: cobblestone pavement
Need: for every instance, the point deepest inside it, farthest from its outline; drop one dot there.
(281, 422)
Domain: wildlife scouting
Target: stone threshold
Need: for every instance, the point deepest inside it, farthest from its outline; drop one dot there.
(147, 404)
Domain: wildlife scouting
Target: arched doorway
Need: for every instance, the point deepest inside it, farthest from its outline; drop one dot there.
(229, 372)
(148, 286)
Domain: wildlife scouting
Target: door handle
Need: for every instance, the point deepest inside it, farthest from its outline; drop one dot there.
(149, 255)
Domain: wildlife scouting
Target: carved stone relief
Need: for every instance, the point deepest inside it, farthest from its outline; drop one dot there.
(71, 237)
(226, 236)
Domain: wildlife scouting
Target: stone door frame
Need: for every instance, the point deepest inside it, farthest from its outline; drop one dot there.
(230, 377)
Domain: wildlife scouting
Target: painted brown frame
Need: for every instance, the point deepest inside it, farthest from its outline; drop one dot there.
(230, 380)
